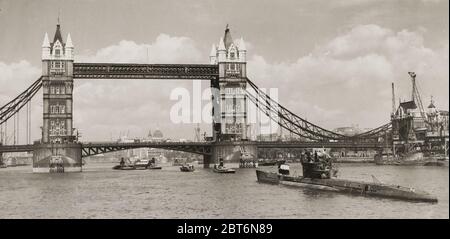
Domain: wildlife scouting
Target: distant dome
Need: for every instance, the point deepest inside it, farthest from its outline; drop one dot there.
(157, 134)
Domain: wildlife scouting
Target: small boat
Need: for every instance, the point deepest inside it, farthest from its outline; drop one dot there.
(222, 169)
(187, 168)
(318, 175)
(146, 164)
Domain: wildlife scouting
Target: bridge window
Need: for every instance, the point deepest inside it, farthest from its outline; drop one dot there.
(57, 67)
(52, 90)
(57, 52)
(57, 127)
(57, 64)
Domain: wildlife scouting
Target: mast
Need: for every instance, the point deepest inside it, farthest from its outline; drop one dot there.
(393, 99)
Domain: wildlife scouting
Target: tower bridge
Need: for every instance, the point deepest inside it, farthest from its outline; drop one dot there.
(227, 73)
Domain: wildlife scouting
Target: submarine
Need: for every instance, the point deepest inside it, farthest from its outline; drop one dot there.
(319, 174)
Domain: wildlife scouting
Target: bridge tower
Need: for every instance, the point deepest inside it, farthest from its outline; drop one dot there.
(231, 140)
(58, 141)
(230, 55)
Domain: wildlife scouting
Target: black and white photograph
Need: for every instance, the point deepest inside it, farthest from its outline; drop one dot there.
(202, 109)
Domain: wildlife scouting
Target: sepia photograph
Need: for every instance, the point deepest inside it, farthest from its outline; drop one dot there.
(201, 109)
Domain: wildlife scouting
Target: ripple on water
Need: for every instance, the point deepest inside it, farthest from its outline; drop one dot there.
(100, 192)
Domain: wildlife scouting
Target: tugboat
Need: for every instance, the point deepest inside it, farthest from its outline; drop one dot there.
(220, 168)
(187, 168)
(318, 173)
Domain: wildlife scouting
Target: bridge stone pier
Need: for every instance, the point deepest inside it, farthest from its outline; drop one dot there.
(230, 152)
(69, 154)
(233, 151)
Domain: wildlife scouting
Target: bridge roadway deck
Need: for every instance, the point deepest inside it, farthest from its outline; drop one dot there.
(145, 71)
(92, 148)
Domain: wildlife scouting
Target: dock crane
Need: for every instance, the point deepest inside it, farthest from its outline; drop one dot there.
(416, 96)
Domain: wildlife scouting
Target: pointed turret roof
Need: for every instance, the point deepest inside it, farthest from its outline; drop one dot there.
(213, 50)
(228, 40)
(58, 35)
(242, 45)
(46, 42)
(432, 106)
(221, 45)
(69, 41)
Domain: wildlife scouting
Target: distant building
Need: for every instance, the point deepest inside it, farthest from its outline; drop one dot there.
(157, 136)
(437, 121)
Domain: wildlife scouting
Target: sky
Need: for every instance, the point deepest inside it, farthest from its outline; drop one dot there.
(332, 61)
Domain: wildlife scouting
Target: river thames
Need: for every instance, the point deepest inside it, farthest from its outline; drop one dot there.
(100, 192)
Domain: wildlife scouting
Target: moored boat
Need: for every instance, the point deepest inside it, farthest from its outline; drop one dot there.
(408, 159)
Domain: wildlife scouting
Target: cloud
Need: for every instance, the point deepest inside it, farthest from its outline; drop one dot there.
(347, 80)
(112, 107)
(16, 77)
(165, 49)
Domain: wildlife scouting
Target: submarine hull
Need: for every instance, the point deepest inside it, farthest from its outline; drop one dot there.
(348, 186)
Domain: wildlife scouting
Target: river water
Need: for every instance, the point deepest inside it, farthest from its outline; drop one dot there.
(100, 192)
